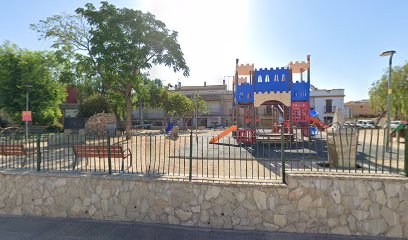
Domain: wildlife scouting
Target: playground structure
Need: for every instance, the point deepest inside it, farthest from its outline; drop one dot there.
(288, 101)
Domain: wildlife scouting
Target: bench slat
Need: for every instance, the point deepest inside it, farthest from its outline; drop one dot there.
(13, 150)
(98, 151)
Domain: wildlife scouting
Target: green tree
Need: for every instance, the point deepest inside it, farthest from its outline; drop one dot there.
(177, 105)
(19, 68)
(125, 42)
(110, 48)
(198, 107)
(94, 104)
(399, 86)
(71, 38)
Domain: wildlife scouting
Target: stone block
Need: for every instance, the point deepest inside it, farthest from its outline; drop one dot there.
(341, 230)
(260, 199)
(336, 196)
(280, 220)
(374, 227)
(304, 203)
(395, 232)
(212, 192)
(390, 216)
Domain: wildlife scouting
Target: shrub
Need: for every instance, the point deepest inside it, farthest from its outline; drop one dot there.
(93, 105)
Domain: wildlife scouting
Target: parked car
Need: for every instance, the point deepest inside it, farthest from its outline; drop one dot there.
(365, 124)
(144, 125)
(394, 124)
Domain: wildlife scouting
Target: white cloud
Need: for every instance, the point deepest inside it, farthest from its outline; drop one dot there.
(212, 34)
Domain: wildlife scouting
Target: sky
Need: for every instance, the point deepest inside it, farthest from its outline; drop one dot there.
(344, 38)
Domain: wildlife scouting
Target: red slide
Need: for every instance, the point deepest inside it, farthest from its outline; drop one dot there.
(223, 134)
(321, 126)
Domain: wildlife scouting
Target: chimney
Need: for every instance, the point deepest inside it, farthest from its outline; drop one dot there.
(179, 84)
(205, 84)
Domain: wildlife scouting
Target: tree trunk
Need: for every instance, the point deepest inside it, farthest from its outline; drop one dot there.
(185, 124)
(128, 98)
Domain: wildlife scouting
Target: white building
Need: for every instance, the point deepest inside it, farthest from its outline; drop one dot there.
(325, 102)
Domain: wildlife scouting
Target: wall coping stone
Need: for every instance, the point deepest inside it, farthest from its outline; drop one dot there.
(348, 176)
(222, 182)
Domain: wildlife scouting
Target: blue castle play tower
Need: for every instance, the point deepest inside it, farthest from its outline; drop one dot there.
(256, 87)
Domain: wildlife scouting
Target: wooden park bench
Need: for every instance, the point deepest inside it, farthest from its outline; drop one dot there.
(15, 150)
(92, 151)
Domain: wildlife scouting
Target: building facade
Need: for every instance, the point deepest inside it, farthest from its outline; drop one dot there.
(325, 102)
(359, 108)
(219, 104)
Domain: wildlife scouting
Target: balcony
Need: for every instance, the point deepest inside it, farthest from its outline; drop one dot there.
(329, 109)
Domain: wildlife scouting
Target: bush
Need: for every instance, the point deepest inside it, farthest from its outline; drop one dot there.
(93, 105)
(56, 127)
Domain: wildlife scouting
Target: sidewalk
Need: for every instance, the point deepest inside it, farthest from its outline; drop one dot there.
(36, 228)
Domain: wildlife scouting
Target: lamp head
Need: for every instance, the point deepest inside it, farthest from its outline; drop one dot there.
(387, 53)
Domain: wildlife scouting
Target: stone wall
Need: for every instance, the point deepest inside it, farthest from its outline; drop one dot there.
(341, 204)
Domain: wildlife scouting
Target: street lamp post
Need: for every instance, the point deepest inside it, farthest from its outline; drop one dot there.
(389, 92)
(27, 87)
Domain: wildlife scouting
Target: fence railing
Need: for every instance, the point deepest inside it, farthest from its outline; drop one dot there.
(192, 156)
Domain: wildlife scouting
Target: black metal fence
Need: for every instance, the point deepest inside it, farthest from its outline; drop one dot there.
(192, 156)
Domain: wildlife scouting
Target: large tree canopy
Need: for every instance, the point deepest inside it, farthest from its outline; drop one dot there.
(113, 47)
(125, 42)
(19, 68)
(399, 86)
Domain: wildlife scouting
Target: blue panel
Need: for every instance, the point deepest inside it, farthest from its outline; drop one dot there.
(245, 93)
(300, 91)
(272, 80)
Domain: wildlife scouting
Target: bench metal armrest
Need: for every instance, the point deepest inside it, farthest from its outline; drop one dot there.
(127, 153)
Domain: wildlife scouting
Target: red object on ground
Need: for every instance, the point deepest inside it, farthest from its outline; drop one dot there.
(223, 134)
(246, 136)
(318, 124)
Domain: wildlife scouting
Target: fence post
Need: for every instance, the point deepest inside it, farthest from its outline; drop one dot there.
(406, 151)
(190, 173)
(109, 157)
(283, 154)
(38, 152)
(150, 153)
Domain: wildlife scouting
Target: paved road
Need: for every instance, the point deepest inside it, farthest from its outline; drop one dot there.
(36, 228)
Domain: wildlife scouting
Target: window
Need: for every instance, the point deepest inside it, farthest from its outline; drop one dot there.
(267, 78)
(259, 78)
(276, 78)
(329, 105)
(283, 77)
